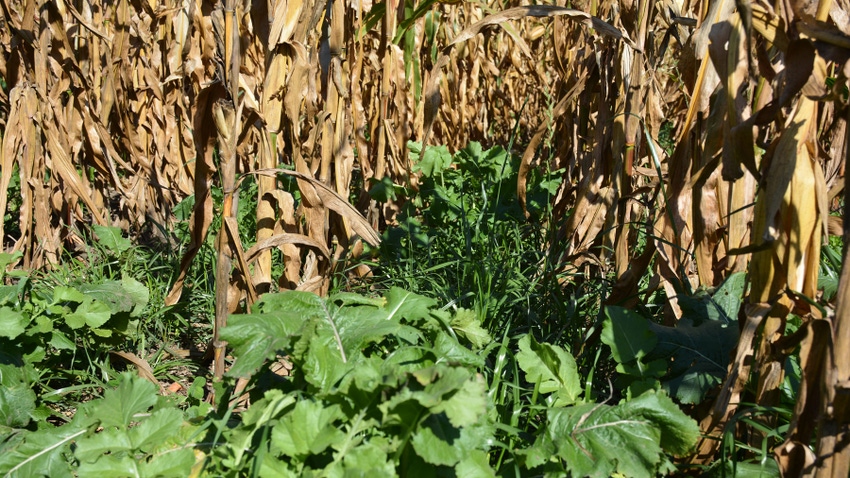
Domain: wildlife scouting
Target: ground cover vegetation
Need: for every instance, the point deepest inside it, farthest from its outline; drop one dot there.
(295, 238)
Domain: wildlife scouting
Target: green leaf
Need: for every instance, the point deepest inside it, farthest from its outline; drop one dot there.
(17, 402)
(434, 161)
(67, 294)
(631, 438)
(127, 295)
(476, 464)
(628, 334)
(679, 433)
(8, 258)
(323, 365)
(407, 305)
(728, 296)
(698, 356)
(61, 341)
(466, 324)
(361, 325)
(468, 405)
(118, 406)
(552, 368)
(448, 348)
(109, 466)
(177, 462)
(156, 429)
(110, 441)
(274, 468)
(307, 430)
(436, 441)
(366, 460)
(111, 238)
(12, 322)
(267, 408)
(8, 293)
(91, 312)
(256, 338)
(40, 453)
(439, 443)
(382, 190)
(294, 304)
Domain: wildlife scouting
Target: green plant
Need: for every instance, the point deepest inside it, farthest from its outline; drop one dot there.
(376, 385)
(462, 238)
(687, 360)
(131, 431)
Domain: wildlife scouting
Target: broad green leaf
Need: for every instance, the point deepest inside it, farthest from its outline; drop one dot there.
(408, 360)
(110, 441)
(17, 403)
(111, 238)
(293, 304)
(404, 304)
(75, 321)
(401, 410)
(722, 305)
(67, 294)
(359, 326)
(466, 323)
(267, 408)
(111, 466)
(61, 341)
(6, 259)
(324, 365)
(8, 293)
(126, 295)
(91, 312)
(105, 333)
(362, 382)
(542, 451)
(352, 299)
(382, 190)
(434, 161)
(366, 460)
(119, 405)
(156, 429)
(40, 453)
(138, 292)
(177, 462)
(679, 433)
(450, 349)
(552, 368)
(468, 405)
(438, 381)
(439, 443)
(43, 325)
(436, 441)
(12, 322)
(698, 356)
(628, 335)
(476, 464)
(594, 440)
(729, 295)
(256, 338)
(275, 468)
(631, 438)
(307, 430)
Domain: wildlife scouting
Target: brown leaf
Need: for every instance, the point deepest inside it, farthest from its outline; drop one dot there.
(142, 365)
(324, 195)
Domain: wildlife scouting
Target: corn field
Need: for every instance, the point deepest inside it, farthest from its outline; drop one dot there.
(716, 128)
